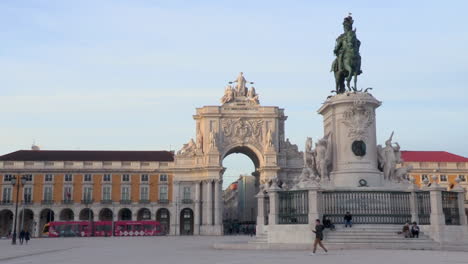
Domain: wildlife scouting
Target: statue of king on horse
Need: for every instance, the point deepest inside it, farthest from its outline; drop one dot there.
(348, 61)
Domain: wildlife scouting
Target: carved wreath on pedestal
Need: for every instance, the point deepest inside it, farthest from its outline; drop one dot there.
(240, 130)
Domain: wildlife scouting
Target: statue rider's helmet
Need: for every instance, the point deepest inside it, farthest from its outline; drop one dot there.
(348, 23)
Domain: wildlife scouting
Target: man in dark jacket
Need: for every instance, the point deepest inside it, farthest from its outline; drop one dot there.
(348, 219)
(27, 236)
(21, 237)
(318, 236)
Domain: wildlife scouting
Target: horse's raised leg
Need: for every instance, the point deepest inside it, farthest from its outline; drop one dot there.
(355, 81)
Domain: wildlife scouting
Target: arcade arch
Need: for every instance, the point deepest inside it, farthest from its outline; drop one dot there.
(86, 214)
(45, 216)
(67, 214)
(125, 214)
(163, 216)
(106, 214)
(6, 222)
(26, 222)
(144, 214)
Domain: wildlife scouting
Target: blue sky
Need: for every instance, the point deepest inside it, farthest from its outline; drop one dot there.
(129, 74)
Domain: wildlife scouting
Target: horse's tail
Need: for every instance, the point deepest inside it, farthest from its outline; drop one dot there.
(334, 67)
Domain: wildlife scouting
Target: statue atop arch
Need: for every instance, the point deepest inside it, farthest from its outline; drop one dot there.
(347, 63)
(240, 93)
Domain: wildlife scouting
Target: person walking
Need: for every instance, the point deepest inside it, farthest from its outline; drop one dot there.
(348, 219)
(21, 236)
(318, 237)
(27, 236)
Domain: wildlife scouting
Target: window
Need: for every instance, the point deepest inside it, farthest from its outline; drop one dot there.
(462, 178)
(424, 177)
(443, 178)
(144, 178)
(144, 193)
(27, 194)
(68, 177)
(48, 177)
(28, 177)
(67, 193)
(186, 192)
(88, 193)
(6, 194)
(106, 193)
(48, 193)
(163, 178)
(87, 177)
(126, 178)
(107, 178)
(162, 192)
(7, 177)
(125, 193)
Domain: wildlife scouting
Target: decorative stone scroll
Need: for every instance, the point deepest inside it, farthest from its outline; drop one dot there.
(241, 130)
(358, 119)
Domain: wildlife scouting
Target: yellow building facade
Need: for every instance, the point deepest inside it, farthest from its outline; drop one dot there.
(85, 185)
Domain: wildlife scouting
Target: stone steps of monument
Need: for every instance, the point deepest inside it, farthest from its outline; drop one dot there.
(260, 238)
(368, 235)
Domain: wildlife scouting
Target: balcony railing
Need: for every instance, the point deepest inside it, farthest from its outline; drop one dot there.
(87, 201)
(6, 202)
(163, 201)
(47, 202)
(144, 201)
(67, 201)
(26, 202)
(126, 201)
(106, 201)
(187, 201)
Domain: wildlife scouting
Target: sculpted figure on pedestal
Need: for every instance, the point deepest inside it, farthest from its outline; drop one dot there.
(212, 140)
(269, 139)
(188, 149)
(199, 140)
(228, 95)
(241, 90)
(388, 158)
(323, 156)
(252, 96)
(348, 60)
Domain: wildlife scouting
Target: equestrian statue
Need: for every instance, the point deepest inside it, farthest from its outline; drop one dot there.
(347, 63)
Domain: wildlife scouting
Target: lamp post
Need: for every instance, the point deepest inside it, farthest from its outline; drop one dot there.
(15, 181)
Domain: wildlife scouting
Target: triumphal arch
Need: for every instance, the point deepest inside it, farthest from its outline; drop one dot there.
(239, 125)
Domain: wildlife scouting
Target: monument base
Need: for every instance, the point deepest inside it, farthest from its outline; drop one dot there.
(356, 178)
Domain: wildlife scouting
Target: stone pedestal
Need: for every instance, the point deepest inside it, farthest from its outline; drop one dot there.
(349, 119)
(260, 215)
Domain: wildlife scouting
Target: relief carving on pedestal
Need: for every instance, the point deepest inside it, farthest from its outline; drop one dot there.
(358, 119)
(240, 130)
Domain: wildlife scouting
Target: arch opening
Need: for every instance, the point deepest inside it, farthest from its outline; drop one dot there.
(67, 214)
(106, 214)
(86, 214)
(164, 218)
(6, 222)
(125, 214)
(186, 221)
(26, 222)
(47, 215)
(144, 214)
(240, 185)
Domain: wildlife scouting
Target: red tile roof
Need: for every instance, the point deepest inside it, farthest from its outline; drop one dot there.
(431, 156)
(87, 155)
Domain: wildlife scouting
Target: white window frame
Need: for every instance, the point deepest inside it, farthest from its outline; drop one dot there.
(166, 192)
(162, 176)
(147, 192)
(71, 192)
(29, 178)
(30, 193)
(443, 175)
(146, 176)
(51, 178)
(65, 177)
(122, 193)
(185, 193)
(86, 176)
(85, 188)
(424, 176)
(10, 192)
(7, 177)
(462, 177)
(44, 197)
(110, 192)
(126, 175)
(104, 178)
